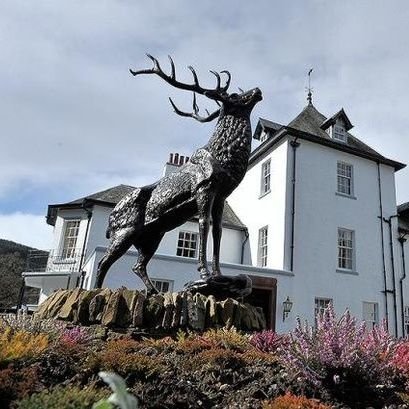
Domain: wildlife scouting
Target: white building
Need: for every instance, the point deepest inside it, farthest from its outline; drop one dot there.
(316, 212)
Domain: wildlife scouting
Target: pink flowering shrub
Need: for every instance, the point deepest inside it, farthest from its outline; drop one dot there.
(266, 341)
(400, 360)
(75, 335)
(338, 351)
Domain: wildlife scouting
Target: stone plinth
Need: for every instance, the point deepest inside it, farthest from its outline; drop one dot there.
(125, 308)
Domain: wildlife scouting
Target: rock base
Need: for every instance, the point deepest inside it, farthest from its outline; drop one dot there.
(125, 308)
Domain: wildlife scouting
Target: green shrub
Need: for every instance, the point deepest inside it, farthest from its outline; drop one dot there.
(70, 397)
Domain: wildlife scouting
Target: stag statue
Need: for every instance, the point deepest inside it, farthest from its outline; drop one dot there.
(199, 187)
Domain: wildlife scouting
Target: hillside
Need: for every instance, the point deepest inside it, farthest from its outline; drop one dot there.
(13, 258)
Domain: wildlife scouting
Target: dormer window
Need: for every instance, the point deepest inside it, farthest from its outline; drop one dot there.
(338, 133)
(337, 126)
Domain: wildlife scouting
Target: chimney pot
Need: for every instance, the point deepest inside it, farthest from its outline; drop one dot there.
(171, 158)
(181, 160)
(176, 162)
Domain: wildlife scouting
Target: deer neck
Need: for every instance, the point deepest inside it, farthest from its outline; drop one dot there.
(231, 144)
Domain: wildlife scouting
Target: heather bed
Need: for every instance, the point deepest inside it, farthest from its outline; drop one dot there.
(337, 364)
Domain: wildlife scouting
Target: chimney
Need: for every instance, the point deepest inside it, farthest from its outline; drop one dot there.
(174, 162)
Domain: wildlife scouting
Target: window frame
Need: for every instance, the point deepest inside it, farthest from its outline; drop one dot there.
(160, 282)
(69, 252)
(319, 309)
(186, 250)
(345, 177)
(339, 133)
(265, 181)
(262, 247)
(375, 312)
(352, 249)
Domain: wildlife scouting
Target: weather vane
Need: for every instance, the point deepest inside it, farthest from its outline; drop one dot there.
(309, 89)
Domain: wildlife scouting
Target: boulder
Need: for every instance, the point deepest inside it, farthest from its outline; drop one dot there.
(97, 305)
(177, 310)
(211, 311)
(199, 305)
(51, 306)
(81, 316)
(227, 312)
(137, 309)
(111, 309)
(168, 310)
(153, 311)
(69, 309)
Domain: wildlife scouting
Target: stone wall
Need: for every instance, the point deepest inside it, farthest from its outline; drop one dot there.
(125, 308)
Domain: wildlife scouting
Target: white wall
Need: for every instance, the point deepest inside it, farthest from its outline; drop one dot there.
(319, 213)
(269, 210)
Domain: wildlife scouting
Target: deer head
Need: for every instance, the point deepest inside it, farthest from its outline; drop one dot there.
(234, 104)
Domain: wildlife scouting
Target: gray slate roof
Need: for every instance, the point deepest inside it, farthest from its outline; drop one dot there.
(110, 197)
(309, 122)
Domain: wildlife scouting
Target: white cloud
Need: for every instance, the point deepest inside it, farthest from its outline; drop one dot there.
(74, 118)
(28, 229)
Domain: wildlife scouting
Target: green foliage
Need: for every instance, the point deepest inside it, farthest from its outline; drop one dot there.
(12, 262)
(70, 397)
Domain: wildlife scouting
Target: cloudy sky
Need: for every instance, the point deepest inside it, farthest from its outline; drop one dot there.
(74, 121)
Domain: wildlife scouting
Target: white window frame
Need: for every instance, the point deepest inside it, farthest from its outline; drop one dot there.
(346, 249)
(345, 178)
(320, 305)
(163, 285)
(370, 314)
(339, 133)
(68, 251)
(187, 244)
(263, 136)
(262, 247)
(265, 183)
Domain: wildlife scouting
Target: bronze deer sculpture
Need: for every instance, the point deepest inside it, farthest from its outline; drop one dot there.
(199, 187)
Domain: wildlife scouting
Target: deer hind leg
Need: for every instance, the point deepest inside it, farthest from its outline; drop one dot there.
(204, 204)
(146, 252)
(120, 243)
(217, 214)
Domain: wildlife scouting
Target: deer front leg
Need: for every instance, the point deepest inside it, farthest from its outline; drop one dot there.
(204, 204)
(217, 214)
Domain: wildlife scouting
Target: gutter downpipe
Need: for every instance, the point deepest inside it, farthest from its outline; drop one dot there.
(385, 292)
(243, 244)
(89, 216)
(402, 240)
(294, 144)
(395, 306)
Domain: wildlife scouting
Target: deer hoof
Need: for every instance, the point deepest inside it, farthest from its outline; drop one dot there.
(204, 273)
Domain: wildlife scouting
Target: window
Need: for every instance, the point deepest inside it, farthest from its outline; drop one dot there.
(320, 305)
(163, 286)
(345, 178)
(370, 314)
(187, 244)
(70, 238)
(406, 320)
(338, 133)
(345, 249)
(265, 177)
(263, 136)
(262, 246)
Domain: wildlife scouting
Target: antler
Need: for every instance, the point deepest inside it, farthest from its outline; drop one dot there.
(215, 93)
(195, 113)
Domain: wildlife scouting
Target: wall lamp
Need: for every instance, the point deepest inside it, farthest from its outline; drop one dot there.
(287, 305)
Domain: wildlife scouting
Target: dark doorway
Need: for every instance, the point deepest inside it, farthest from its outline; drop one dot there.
(264, 296)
